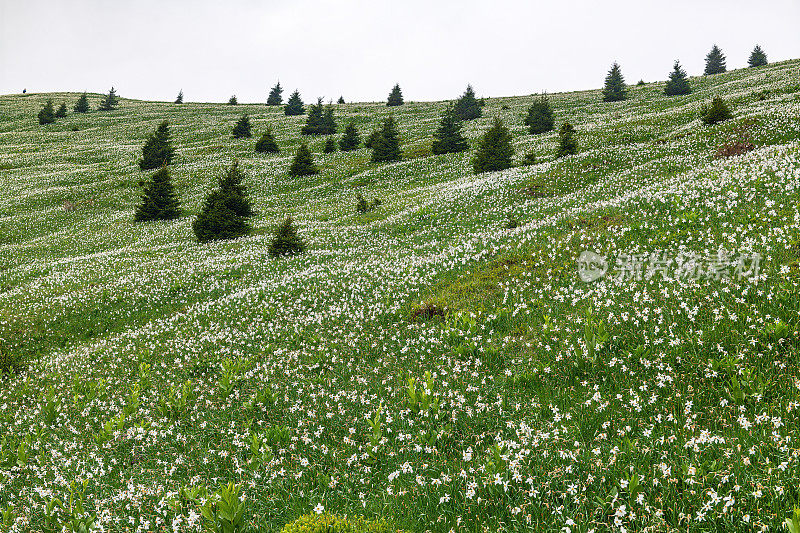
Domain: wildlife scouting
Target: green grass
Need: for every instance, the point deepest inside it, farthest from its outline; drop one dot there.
(535, 401)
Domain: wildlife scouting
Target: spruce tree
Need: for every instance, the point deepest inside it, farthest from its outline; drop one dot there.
(340, 100)
(395, 97)
(179, 99)
(370, 140)
(448, 138)
(286, 241)
(82, 105)
(494, 149)
(233, 101)
(716, 113)
(157, 150)
(715, 61)
(303, 163)
(467, 107)
(614, 90)
(267, 144)
(61, 112)
(320, 120)
(757, 57)
(242, 127)
(275, 95)
(47, 115)
(216, 220)
(678, 83)
(540, 118)
(330, 146)
(350, 140)
(386, 145)
(235, 192)
(295, 105)
(159, 201)
(110, 101)
(567, 145)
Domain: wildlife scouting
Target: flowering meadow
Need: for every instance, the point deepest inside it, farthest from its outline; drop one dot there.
(426, 363)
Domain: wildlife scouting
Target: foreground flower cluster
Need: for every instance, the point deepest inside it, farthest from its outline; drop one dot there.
(166, 379)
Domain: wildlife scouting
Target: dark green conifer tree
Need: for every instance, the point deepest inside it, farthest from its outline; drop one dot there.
(330, 146)
(395, 97)
(341, 100)
(179, 99)
(320, 120)
(303, 163)
(370, 140)
(157, 150)
(242, 127)
(758, 58)
(233, 101)
(286, 241)
(275, 95)
(386, 145)
(110, 101)
(47, 114)
(678, 83)
(467, 106)
(232, 187)
(495, 149)
(351, 139)
(225, 210)
(716, 113)
(448, 138)
(82, 105)
(216, 220)
(267, 144)
(567, 145)
(715, 61)
(61, 112)
(158, 201)
(295, 105)
(540, 118)
(614, 90)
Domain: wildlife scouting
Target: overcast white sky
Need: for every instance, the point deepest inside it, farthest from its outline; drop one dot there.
(150, 49)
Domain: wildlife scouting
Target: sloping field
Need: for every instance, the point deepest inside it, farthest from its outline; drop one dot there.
(158, 370)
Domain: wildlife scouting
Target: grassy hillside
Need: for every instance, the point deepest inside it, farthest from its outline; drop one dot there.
(159, 370)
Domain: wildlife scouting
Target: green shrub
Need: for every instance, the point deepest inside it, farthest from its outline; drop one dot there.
(327, 523)
(157, 150)
(614, 90)
(303, 164)
(386, 145)
(242, 128)
(110, 101)
(267, 144)
(294, 106)
(395, 97)
(158, 201)
(350, 140)
(448, 138)
(286, 241)
(716, 113)
(467, 106)
(567, 145)
(82, 105)
(330, 146)
(494, 149)
(275, 95)
(540, 117)
(47, 115)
